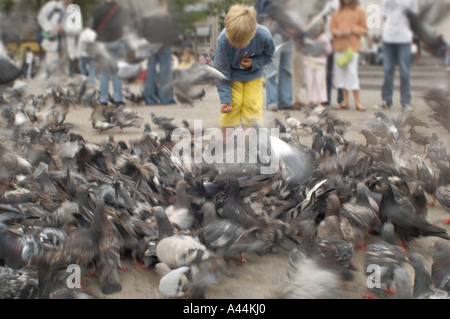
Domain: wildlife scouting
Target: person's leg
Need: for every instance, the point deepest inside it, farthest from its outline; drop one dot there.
(29, 70)
(353, 80)
(309, 83)
(297, 75)
(359, 106)
(285, 98)
(345, 101)
(104, 87)
(272, 77)
(72, 67)
(82, 65)
(271, 85)
(404, 62)
(150, 94)
(321, 79)
(117, 87)
(91, 70)
(340, 78)
(165, 76)
(330, 67)
(251, 113)
(389, 57)
(233, 118)
(340, 97)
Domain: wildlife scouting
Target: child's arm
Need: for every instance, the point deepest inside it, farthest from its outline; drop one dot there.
(223, 64)
(260, 61)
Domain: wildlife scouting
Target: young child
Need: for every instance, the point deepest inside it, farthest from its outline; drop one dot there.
(243, 50)
(316, 71)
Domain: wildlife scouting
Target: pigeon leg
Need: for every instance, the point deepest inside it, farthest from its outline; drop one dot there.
(446, 221)
(390, 291)
(402, 246)
(138, 264)
(368, 295)
(242, 260)
(361, 246)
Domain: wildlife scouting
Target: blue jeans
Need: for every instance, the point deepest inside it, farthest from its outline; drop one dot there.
(397, 53)
(155, 90)
(279, 78)
(447, 54)
(117, 50)
(87, 67)
(330, 68)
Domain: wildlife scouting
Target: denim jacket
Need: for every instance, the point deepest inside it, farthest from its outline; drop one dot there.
(261, 49)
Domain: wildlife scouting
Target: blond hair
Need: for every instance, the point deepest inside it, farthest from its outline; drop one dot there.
(240, 24)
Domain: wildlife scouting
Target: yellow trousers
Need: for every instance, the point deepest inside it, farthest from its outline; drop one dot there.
(247, 101)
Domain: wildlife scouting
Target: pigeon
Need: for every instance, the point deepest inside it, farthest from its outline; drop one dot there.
(407, 224)
(187, 82)
(8, 70)
(380, 115)
(99, 122)
(18, 284)
(433, 42)
(436, 149)
(179, 213)
(440, 268)
(371, 139)
(443, 198)
(423, 284)
(420, 138)
(126, 117)
(18, 251)
(98, 244)
(158, 120)
(403, 284)
(226, 237)
(310, 277)
(176, 250)
(385, 256)
(293, 19)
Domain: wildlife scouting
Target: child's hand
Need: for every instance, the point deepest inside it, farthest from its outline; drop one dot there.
(225, 108)
(246, 63)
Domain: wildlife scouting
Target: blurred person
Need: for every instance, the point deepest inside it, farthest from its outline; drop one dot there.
(159, 66)
(208, 59)
(86, 64)
(279, 90)
(28, 68)
(397, 38)
(201, 58)
(347, 25)
(447, 56)
(316, 72)
(19, 56)
(331, 6)
(108, 20)
(243, 49)
(56, 32)
(186, 59)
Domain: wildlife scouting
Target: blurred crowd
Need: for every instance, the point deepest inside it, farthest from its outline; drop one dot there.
(286, 76)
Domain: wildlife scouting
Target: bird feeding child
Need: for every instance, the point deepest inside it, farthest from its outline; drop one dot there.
(243, 50)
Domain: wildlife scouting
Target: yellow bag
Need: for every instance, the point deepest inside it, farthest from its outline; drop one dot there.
(345, 58)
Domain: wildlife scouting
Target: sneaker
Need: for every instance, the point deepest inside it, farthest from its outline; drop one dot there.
(409, 108)
(385, 105)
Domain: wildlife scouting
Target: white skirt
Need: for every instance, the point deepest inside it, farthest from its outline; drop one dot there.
(346, 77)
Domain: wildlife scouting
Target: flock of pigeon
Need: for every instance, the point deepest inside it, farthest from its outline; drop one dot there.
(67, 201)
